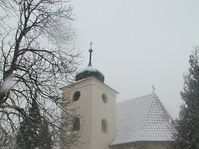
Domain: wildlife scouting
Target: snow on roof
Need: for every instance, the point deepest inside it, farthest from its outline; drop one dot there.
(143, 119)
(89, 68)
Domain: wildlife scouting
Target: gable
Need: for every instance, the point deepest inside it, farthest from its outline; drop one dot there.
(143, 119)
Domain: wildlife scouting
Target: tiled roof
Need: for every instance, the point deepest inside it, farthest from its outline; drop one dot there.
(143, 119)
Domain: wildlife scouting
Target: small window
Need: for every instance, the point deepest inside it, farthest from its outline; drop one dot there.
(104, 125)
(76, 124)
(76, 95)
(104, 98)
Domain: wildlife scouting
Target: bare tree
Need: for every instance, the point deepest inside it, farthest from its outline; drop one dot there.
(34, 38)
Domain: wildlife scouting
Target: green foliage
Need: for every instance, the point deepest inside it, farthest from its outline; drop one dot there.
(188, 123)
(33, 131)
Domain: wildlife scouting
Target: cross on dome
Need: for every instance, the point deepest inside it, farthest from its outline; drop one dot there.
(89, 71)
(91, 45)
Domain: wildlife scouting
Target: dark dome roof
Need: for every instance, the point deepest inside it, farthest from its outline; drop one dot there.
(89, 72)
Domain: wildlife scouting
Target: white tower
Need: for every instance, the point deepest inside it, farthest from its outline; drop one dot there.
(95, 104)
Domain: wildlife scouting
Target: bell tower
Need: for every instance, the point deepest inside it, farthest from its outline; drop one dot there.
(95, 106)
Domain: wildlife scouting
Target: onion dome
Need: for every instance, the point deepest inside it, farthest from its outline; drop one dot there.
(89, 71)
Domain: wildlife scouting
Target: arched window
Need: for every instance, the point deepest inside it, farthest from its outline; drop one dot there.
(76, 95)
(104, 98)
(104, 125)
(76, 124)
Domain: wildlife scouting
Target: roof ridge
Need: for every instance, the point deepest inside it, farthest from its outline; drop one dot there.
(148, 112)
(168, 116)
(164, 109)
(136, 98)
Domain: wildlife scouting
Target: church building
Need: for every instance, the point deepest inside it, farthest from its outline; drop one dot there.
(140, 123)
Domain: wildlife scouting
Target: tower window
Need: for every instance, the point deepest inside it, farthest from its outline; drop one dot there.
(104, 98)
(76, 95)
(104, 125)
(76, 124)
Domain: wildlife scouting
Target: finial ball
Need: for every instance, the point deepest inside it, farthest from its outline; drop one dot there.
(90, 50)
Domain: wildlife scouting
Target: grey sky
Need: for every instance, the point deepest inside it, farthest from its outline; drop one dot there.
(138, 43)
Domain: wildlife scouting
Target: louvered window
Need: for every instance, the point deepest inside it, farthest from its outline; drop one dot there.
(104, 125)
(76, 124)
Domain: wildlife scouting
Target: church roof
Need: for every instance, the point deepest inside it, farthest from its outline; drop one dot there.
(89, 71)
(143, 119)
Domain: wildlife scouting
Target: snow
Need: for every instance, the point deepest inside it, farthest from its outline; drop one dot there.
(89, 68)
(68, 133)
(143, 119)
(7, 84)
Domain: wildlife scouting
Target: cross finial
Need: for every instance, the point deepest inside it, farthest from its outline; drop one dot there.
(91, 45)
(90, 51)
(153, 87)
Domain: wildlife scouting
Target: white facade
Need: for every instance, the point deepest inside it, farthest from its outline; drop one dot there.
(97, 115)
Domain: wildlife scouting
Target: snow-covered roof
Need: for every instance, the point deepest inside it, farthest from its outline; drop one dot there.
(88, 72)
(143, 119)
(89, 68)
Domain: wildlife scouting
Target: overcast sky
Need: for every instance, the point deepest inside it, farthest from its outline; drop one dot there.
(138, 43)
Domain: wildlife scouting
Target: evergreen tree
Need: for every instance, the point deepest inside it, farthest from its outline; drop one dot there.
(34, 132)
(187, 125)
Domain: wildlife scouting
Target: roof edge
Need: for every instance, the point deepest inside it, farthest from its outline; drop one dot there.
(144, 141)
(90, 78)
(136, 98)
